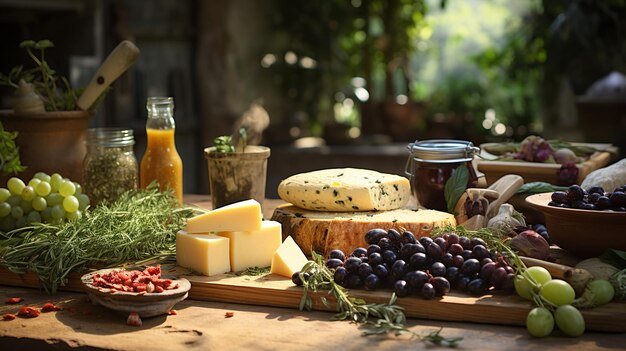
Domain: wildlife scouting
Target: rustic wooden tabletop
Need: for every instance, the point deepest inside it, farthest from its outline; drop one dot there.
(205, 325)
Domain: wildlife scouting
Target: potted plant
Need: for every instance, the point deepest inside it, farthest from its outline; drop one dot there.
(50, 131)
(49, 117)
(237, 171)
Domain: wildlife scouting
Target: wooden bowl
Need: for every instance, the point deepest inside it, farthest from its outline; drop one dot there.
(584, 233)
(146, 305)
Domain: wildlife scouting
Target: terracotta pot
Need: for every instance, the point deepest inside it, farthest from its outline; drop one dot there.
(237, 176)
(49, 142)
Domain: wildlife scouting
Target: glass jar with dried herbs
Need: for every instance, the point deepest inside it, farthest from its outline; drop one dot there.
(110, 167)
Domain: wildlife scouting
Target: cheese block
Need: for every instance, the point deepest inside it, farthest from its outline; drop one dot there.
(346, 190)
(325, 231)
(240, 216)
(207, 254)
(254, 248)
(288, 259)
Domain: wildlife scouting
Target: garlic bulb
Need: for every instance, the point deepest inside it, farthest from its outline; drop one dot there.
(27, 100)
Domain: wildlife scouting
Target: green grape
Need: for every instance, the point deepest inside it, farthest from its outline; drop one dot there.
(33, 217)
(57, 212)
(7, 224)
(558, 292)
(46, 214)
(54, 199)
(33, 182)
(55, 182)
(5, 209)
(72, 216)
(67, 188)
(39, 203)
(4, 194)
(83, 201)
(56, 221)
(14, 200)
(540, 322)
(569, 319)
(79, 189)
(17, 212)
(42, 176)
(28, 193)
(27, 206)
(43, 189)
(70, 203)
(15, 185)
(523, 287)
(20, 222)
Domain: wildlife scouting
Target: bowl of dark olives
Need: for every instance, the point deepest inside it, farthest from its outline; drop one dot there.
(584, 222)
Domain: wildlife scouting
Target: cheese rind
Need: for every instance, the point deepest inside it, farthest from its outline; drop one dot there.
(254, 248)
(288, 259)
(346, 190)
(240, 216)
(325, 231)
(207, 254)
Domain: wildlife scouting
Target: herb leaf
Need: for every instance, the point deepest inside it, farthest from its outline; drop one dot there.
(455, 186)
(539, 187)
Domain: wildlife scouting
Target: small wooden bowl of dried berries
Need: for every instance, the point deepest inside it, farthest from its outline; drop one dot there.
(144, 292)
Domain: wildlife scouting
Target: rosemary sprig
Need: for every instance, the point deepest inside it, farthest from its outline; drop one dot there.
(140, 225)
(254, 271)
(376, 319)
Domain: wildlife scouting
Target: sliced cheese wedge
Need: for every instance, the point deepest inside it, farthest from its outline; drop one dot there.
(288, 259)
(207, 254)
(240, 216)
(254, 248)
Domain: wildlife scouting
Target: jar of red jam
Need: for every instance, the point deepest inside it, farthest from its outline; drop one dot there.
(430, 165)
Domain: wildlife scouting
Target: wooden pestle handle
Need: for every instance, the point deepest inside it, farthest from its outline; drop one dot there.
(556, 270)
(506, 186)
(118, 61)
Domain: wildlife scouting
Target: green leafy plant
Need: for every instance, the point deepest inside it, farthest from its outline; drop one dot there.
(55, 91)
(455, 186)
(226, 144)
(9, 153)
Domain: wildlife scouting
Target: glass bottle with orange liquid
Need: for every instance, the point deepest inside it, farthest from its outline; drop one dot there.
(161, 161)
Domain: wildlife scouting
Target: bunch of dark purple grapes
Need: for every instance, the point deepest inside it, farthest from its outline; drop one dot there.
(595, 198)
(426, 267)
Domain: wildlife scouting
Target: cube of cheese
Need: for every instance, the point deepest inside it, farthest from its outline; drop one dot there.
(346, 190)
(240, 216)
(254, 248)
(288, 259)
(207, 254)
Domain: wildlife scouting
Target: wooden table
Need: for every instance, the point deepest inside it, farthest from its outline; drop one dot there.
(203, 325)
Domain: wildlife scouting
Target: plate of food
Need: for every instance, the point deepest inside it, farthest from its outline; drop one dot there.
(537, 160)
(142, 291)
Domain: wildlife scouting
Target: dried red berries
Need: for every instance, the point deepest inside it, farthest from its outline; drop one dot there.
(146, 281)
(28, 312)
(9, 317)
(14, 300)
(49, 307)
(134, 319)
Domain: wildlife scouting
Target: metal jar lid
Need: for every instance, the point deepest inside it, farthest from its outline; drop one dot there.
(443, 150)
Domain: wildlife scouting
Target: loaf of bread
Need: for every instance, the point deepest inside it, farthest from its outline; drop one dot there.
(325, 231)
(346, 190)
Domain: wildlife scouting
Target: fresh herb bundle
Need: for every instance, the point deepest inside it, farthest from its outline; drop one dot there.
(140, 225)
(225, 143)
(389, 317)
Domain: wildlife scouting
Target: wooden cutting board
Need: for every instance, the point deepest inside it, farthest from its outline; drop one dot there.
(276, 291)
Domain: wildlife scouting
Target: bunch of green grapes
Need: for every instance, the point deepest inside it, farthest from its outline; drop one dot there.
(556, 307)
(45, 199)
